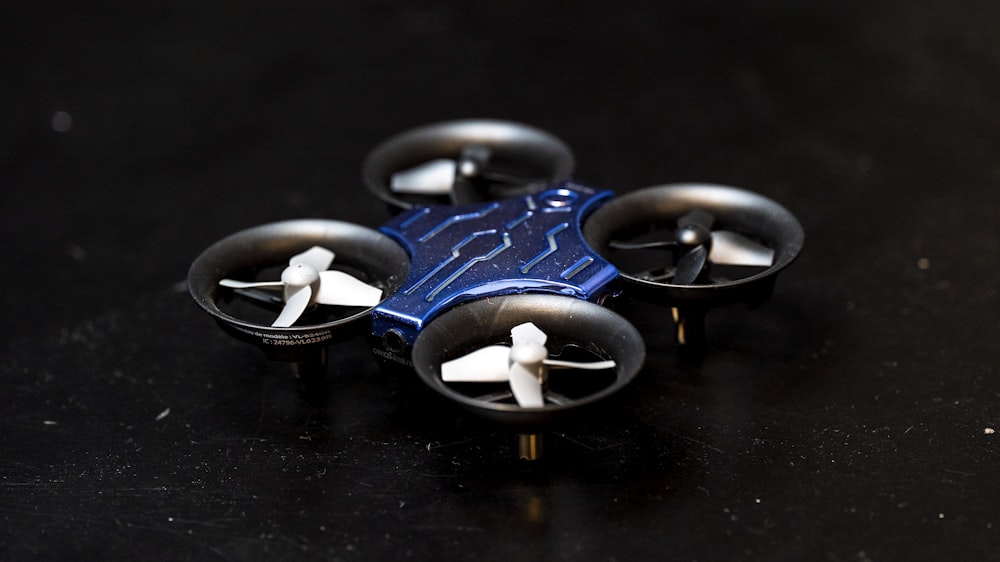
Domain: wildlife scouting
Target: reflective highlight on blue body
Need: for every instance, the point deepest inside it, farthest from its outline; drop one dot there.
(524, 244)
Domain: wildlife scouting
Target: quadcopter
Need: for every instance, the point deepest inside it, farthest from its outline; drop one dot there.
(492, 278)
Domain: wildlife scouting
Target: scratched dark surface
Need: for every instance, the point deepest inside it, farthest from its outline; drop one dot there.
(847, 419)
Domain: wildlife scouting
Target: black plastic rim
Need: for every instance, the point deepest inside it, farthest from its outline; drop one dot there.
(356, 246)
(536, 149)
(659, 207)
(566, 321)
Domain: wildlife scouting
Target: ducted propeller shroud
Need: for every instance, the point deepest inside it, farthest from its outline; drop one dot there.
(465, 161)
(710, 224)
(239, 255)
(442, 351)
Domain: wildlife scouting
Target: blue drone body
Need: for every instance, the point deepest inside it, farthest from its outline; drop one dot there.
(524, 244)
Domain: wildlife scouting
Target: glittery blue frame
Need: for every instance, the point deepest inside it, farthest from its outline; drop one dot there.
(531, 243)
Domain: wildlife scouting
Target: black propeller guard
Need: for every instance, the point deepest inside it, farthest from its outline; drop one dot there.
(660, 207)
(247, 251)
(538, 153)
(565, 320)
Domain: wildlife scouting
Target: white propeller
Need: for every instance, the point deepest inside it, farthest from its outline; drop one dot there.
(731, 248)
(523, 365)
(430, 178)
(307, 280)
(441, 176)
(701, 246)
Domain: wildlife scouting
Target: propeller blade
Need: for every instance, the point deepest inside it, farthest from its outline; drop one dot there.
(487, 364)
(339, 288)
(268, 299)
(659, 274)
(699, 217)
(590, 366)
(527, 333)
(234, 284)
(655, 245)
(730, 248)
(512, 179)
(295, 305)
(690, 266)
(526, 386)
(316, 257)
(430, 178)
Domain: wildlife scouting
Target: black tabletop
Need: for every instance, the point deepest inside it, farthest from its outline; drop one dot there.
(849, 418)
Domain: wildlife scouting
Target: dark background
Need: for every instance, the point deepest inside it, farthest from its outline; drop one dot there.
(844, 420)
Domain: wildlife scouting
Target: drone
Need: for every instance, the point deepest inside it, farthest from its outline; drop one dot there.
(493, 276)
